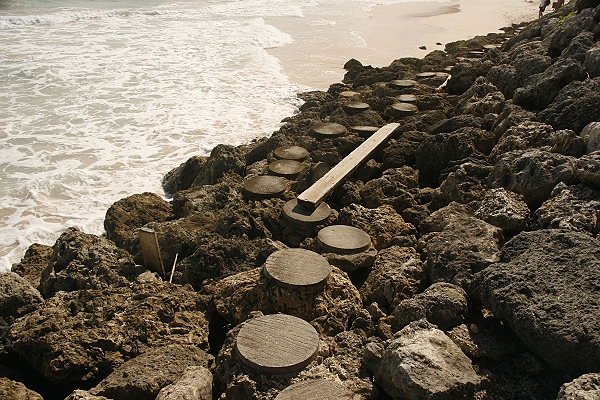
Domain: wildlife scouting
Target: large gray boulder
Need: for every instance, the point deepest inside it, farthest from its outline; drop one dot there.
(17, 296)
(546, 289)
(421, 362)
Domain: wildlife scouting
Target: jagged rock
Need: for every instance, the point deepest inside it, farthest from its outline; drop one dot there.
(511, 115)
(541, 89)
(383, 224)
(11, 390)
(330, 308)
(568, 30)
(586, 387)
(224, 159)
(505, 209)
(34, 262)
(422, 362)
(142, 377)
(587, 169)
(183, 176)
(574, 113)
(464, 75)
(527, 135)
(126, 216)
(579, 46)
(365, 118)
(442, 304)
(83, 261)
(532, 173)
(392, 188)
(486, 338)
(83, 336)
(194, 384)
(401, 152)
(17, 296)
(219, 257)
(505, 78)
(591, 135)
(480, 99)
(84, 395)
(574, 208)
(397, 274)
(437, 151)
(455, 123)
(463, 246)
(591, 61)
(545, 288)
(465, 183)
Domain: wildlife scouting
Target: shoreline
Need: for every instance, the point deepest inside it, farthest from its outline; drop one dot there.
(391, 31)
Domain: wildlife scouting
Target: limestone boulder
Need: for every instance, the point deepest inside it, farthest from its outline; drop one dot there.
(455, 123)
(80, 394)
(17, 296)
(510, 116)
(585, 387)
(480, 99)
(486, 338)
(464, 182)
(397, 274)
(545, 289)
(464, 246)
(194, 384)
(442, 304)
(573, 208)
(587, 169)
(183, 176)
(505, 209)
(592, 60)
(524, 136)
(13, 390)
(80, 337)
(532, 173)
(34, 262)
(421, 362)
(143, 377)
(126, 216)
(383, 224)
(464, 74)
(591, 136)
(224, 159)
(573, 113)
(84, 261)
(401, 152)
(392, 188)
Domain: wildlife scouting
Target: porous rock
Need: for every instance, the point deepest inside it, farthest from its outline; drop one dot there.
(587, 169)
(591, 136)
(392, 188)
(83, 336)
(84, 395)
(585, 387)
(224, 159)
(422, 362)
(545, 288)
(33, 263)
(505, 209)
(142, 377)
(442, 304)
(183, 176)
(486, 338)
(194, 384)
(17, 296)
(12, 390)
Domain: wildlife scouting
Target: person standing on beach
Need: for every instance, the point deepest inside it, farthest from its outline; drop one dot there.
(543, 5)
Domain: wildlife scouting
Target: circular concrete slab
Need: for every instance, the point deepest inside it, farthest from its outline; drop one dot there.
(294, 212)
(265, 186)
(277, 343)
(328, 130)
(318, 389)
(355, 107)
(422, 75)
(297, 268)
(402, 83)
(347, 94)
(295, 153)
(400, 110)
(287, 168)
(406, 98)
(364, 131)
(343, 239)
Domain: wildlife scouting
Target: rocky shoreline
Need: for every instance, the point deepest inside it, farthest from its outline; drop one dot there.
(481, 279)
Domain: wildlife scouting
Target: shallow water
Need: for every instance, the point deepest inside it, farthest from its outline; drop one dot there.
(99, 99)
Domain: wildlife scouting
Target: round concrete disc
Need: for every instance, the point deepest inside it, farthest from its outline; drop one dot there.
(422, 75)
(404, 109)
(406, 98)
(295, 212)
(364, 131)
(297, 268)
(286, 168)
(355, 107)
(277, 343)
(343, 239)
(346, 94)
(318, 389)
(402, 83)
(295, 153)
(265, 186)
(328, 129)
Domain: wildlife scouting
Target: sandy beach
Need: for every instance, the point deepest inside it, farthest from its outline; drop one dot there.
(389, 32)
